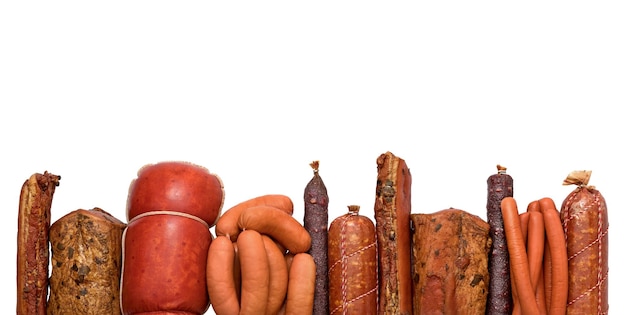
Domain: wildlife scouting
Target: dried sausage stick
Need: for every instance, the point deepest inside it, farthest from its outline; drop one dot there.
(500, 296)
(316, 223)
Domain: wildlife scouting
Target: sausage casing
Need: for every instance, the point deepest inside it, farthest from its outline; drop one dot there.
(353, 264)
(586, 225)
(316, 223)
(499, 296)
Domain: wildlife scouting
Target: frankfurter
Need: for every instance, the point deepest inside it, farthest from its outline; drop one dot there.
(518, 257)
(301, 288)
(279, 276)
(277, 224)
(220, 277)
(227, 222)
(255, 273)
(558, 257)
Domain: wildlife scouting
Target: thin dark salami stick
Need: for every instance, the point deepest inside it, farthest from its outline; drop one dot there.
(499, 298)
(316, 223)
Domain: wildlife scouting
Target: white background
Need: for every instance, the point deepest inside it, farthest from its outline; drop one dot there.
(255, 91)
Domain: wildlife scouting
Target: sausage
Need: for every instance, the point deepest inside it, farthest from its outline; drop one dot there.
(316, 223)
(585, 221)
(540, 295)
(301, 288)
(255, 273)
(282, 227)
(518, 257)
(534, 246)
(220, 277)
(279, 276)
(353, 264)
(547, 273)
(164, 265)
(227, 222)
(535, 250)
(558, 256)
(392, 209)
(171, 207)
(33, 254)
(237, 271)
(499, 297)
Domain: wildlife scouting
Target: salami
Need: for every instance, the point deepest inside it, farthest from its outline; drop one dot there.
(353, 264)
(586, 225)
(500, 297)
(316, 223)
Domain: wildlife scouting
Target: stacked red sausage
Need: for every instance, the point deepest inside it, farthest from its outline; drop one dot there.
(170, 208)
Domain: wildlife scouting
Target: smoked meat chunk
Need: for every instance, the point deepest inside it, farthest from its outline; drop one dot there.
(450, 256)
(392, 208)
(86, 263)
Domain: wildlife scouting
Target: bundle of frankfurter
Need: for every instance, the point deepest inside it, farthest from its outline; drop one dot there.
(262, 260)
(258, 262)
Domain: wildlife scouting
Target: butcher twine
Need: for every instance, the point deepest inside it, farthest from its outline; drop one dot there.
(344, 266)
(146, 214)
(601, 233)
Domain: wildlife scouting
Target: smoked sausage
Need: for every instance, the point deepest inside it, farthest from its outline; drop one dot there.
(227, 222)
(353, 264)
(255, 273)
(316, 223)
(499, 296)
(280, 226)
(585, 221)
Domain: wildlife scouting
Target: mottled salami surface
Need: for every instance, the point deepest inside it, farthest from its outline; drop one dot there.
(316, 223)
(353, 264)
(500, 298)
(33, 253)
(586, 225)
(392, 208)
